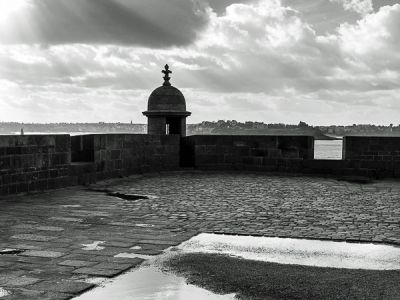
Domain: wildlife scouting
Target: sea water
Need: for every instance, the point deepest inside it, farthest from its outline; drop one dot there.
(330, 149)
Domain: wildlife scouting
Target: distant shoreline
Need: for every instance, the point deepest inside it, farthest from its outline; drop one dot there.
(221, 127)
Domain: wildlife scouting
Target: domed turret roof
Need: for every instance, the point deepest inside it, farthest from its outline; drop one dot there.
(166, 99)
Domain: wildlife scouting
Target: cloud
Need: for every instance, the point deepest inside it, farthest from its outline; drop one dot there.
(362, 7)
(323, 16)
(371, 50)
(256, 60)
(264, 47)
(152, 23)
(376, 33)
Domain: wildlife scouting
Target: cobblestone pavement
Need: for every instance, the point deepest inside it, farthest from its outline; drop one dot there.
(53, 229)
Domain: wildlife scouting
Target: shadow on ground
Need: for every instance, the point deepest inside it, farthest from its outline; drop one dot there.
(260, 280)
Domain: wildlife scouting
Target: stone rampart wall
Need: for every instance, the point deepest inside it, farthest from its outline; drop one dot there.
(34, 162)
(115, 155)
(39, 162)
(380, 154)
(269, 153)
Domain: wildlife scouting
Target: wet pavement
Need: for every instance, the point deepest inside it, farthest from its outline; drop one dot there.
(70, 235)
(153, 280)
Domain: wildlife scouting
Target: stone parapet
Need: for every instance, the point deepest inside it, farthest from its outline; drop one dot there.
(115, 155)
(34, 162)
(39, 162)
(272, 153)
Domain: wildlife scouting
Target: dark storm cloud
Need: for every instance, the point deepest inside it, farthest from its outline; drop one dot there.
(379, 3)
(219, 6)
(152, 23)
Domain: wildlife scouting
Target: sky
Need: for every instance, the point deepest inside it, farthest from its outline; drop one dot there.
(276, 61)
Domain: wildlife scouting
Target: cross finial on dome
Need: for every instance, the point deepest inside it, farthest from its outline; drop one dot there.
(166, 77)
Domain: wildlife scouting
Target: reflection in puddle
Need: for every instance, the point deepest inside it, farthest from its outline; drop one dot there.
(149, 283)
(298, 251)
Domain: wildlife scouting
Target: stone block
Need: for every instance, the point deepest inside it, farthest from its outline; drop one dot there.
(22, 188)
(33, 237)
(63, 286)
(37, 253)
(76, 263)
(98, 272)
(114, 266)
(115, 154)
(20, 281)
(50, 228)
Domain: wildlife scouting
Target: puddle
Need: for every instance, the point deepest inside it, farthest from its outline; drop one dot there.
(11, 251)
(130, 197)
(4, 292)
(123, 196)
(71, 206)
(149, 283)
(94, 246)
(298, 251)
